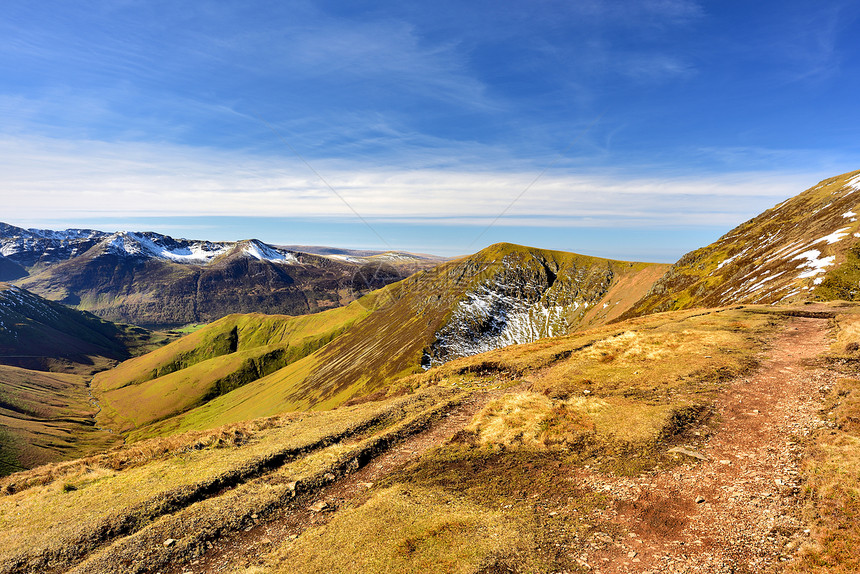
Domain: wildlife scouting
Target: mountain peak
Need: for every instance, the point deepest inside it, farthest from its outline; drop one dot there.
(150, 244)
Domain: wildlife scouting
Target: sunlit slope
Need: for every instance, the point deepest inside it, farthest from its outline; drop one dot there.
(614, 399)
(213, 361)
(413, 315)
(502, 295)
(804, 248)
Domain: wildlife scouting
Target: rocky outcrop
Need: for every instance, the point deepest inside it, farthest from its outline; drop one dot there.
(523, 300)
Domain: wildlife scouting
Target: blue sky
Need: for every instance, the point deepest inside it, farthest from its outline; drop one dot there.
(628, 129)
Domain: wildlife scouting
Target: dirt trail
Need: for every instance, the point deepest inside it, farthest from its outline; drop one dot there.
(736, 512)
(739, 510)
(247, 548)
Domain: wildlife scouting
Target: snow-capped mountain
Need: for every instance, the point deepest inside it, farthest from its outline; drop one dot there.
(163, 247)
(148, 278)
(30, 247)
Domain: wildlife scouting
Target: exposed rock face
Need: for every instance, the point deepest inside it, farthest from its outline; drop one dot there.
(149, 291)
(523, 299)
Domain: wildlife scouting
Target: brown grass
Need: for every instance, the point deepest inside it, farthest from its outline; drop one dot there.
(406, 530)
(832, 471)
(86, 502)
(207, 521)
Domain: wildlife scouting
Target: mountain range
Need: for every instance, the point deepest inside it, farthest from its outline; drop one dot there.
(555, 410)
(154, 280)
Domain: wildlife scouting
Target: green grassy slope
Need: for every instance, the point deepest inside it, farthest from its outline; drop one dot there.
(49, 416)
(347, 352)
(211, 362)
(805, 248)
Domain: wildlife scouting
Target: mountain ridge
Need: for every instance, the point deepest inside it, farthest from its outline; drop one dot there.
(803, 248)
(392, 331)
(158, 281)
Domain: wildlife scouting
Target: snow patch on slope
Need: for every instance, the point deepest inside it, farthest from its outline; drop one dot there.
(814, 264)
(489, 318)
(263, 252)
(853, 183)
(834, 237)
(16, 301)
(154, 245)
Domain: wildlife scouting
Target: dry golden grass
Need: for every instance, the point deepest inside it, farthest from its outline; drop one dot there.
(49, 507)
(457, 509)
(847, 334)
(627, 387)
(206, 521)
(832, 470)
(144, 452)
(405, 530)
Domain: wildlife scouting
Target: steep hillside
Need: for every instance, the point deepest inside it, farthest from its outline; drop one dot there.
(805, 248)
(49, 416)
(212, 362)
(9, 270)
(155, 280)
(39, 334)
(503, 295)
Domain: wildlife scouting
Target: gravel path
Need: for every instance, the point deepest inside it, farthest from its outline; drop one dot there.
(738, 511)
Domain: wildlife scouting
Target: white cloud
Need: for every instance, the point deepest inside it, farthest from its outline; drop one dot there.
(49, 179)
